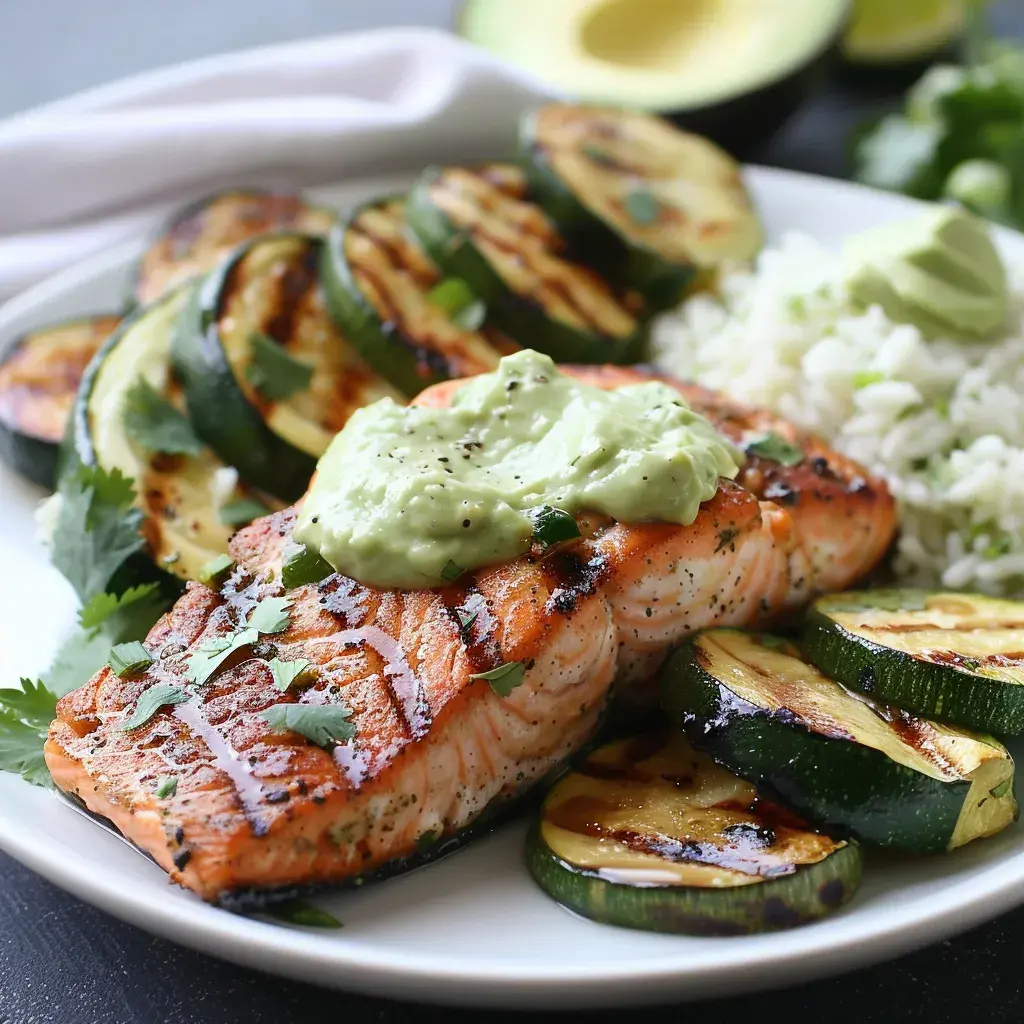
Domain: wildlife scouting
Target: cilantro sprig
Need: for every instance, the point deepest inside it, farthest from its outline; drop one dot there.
(155, 426)
(274, 373)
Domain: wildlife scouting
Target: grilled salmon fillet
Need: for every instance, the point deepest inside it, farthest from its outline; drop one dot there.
(256, 810)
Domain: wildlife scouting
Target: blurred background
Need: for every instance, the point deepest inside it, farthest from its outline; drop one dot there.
(960, 130)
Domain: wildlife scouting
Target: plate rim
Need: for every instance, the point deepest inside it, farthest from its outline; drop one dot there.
(760, 963)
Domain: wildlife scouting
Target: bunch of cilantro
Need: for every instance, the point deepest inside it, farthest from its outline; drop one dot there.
(95, 537)
(960, 136)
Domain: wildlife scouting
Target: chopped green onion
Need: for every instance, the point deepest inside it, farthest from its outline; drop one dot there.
(552, 526)
(127, 659)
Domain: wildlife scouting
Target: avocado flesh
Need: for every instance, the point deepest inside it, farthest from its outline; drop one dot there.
(659, 55)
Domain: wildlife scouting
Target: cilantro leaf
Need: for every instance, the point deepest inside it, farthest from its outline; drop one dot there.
(302, 913)
(505, 678)
(325, 724)
(776, 449)
(456, 299)
(552, 525)
(271, 615)
(104, 609)
(33, 703)
(154, 425)
(151, 701)
(214, 651)
(272, 371)
(79, 658)
(286, 672)
(25, 716)
(130, 658)
(21, 750)
(97, 529)
(451, 572)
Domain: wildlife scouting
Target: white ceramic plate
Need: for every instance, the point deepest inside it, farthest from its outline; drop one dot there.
(472, 929)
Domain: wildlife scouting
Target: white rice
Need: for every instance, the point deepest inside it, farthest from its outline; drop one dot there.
(941, 421)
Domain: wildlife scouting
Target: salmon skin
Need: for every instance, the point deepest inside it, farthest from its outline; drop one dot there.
(434, 744)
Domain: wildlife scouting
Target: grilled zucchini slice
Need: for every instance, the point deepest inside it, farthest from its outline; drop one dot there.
(510, 255)
(190, 502)
(387, 295)
(955, 657)
(835, 757)
(648, 833)
(268, 377)
(658, 203)
(199, 236)
(39, 379)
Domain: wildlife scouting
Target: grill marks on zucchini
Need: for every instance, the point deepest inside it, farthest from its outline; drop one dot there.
(181, 495)
(648, 833)
(201, 235)
(956, 657)
(668, 202)
(270, 289)
(510, 255)
(39, 379)
(834, 756)
(378, 281)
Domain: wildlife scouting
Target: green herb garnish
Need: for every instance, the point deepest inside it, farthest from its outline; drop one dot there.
(241, 511)
(166, 787)
(325, 724)
(642, 206)
(466, 618)
(155, 426)
(302, 913)
(303, 565)
(271, 615)
(216, 570)
(286, 672)
(455, 298)
(151, 701)
(272, 371)
(552, 526)
(127, 659)
(776, 449)
(25, 716)
(505, 678)
(451, 572)
(97, 529)
(214, 651)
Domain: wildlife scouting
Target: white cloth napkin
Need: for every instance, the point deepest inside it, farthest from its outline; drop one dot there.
(84, 173)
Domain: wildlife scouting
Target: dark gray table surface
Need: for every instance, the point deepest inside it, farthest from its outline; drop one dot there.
(61, 961)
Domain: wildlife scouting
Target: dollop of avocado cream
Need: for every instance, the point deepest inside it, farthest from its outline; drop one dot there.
(940, 272)
(409, 496)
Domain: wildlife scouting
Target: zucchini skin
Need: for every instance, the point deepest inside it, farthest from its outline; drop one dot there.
(453, 250)
(383, 347)
(942, 692)
(841, 786)
(809, 894)
(661, 282)
(220, 413)
(77, 451)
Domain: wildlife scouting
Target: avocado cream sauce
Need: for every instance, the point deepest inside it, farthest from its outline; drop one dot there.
(410, 496)
(940, 272)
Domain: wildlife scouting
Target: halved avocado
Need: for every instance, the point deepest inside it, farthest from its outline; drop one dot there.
(648, 833)
(200, 235)
(837, 758)
(39, 379)
(664, 204)
(729, 69)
